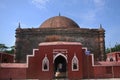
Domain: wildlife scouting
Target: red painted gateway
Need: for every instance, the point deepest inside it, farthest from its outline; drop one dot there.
(60, 60)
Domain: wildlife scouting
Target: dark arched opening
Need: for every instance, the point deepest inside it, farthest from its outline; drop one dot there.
(60, 67)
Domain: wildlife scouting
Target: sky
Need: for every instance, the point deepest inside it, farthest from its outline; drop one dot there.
(86, 13)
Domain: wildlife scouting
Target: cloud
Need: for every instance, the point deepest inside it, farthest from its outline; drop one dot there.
(89, 16)
(99, 3)
(40, 3)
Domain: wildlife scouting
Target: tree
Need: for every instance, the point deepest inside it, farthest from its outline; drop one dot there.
(3, 48)
(113, 49)
(9, 50)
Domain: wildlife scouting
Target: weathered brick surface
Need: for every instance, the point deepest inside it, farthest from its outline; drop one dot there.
(59, 28)
(28, 39)
(6, 58)
(14, 73)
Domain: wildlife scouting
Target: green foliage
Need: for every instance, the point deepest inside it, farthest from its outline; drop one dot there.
(113, 49)
(4, 48)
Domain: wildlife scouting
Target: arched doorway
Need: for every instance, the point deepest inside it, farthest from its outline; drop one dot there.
(60, 67)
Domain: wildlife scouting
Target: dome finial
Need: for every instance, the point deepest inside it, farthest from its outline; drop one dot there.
(59, 14)
(100, 26)
(19, 26)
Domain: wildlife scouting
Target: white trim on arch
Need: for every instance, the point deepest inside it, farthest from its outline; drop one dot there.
(75, 62)
(60, 54)
(45, 61)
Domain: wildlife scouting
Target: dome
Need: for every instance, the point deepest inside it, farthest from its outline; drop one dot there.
(59, 22)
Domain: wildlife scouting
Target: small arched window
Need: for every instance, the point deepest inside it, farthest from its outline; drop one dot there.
(75, 63)
(111, 59)
(45, 64)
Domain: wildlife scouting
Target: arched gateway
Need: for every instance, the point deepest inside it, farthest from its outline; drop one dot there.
(54, 60)
(60, 66)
